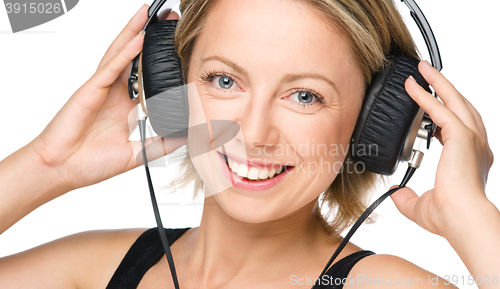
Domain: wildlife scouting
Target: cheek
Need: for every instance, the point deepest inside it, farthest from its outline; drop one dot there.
(220, 106)
(220, 109)
(321, 143)
(331, 128)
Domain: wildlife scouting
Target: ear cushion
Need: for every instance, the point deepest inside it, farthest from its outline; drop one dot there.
(165, 93)
(386, 117)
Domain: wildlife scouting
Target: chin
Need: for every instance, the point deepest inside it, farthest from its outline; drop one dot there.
(255, 208)
(248, 208)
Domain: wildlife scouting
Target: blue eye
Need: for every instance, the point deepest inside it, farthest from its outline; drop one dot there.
(220, 80)
(304, 97)
(225, 82)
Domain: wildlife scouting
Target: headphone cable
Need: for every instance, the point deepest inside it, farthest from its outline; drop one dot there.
(161, 229)
(362, 218)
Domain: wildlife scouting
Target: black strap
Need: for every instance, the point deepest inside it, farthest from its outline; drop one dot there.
(144, 253)
(336, 276)
(147, 251)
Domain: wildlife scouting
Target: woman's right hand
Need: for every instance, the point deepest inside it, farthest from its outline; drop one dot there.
(87, 141)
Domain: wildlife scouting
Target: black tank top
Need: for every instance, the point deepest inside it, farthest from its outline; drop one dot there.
(147, 251)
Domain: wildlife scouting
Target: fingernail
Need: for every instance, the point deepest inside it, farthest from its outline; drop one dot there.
(427, 63)
(142, 32)
(411, 77)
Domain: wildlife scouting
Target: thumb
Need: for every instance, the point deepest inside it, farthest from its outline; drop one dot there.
(405, 200)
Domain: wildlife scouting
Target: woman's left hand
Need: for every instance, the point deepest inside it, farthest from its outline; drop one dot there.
(465, 160)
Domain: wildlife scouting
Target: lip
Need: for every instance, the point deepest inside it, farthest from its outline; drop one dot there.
(246, 184)
(255, 163)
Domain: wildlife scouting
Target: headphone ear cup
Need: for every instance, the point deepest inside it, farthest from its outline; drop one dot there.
(165, 93)
(386, 117)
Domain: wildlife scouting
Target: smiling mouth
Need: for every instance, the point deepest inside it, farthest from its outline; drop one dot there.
(252, 173)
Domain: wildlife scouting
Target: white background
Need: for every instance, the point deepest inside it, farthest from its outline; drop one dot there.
(42, 67)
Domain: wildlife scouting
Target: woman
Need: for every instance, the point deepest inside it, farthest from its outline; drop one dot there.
(242, 233)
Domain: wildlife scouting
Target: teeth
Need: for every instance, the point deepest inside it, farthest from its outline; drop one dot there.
(252, 173)
(242, 170)
(233, 166)
(271, 173)
(264, 174)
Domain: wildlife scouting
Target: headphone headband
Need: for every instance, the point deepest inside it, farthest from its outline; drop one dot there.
(153, 12)
(419, 18)
(415, 12)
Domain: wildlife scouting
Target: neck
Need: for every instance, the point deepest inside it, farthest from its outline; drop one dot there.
(225, 247)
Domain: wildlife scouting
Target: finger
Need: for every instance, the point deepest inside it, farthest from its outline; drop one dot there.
(484, 134)
(437, 111)
(156, 147)
(405, 200)
(449, 94)
(134, 26)
(482, 131)
(478, 118)
(108, 74)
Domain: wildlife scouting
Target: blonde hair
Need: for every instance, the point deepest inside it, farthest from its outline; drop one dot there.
(374, 30)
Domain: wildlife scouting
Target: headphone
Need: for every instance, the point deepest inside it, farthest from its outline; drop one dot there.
(386, 129)
(388, 126)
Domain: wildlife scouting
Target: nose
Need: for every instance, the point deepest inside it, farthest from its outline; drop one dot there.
(259, 124)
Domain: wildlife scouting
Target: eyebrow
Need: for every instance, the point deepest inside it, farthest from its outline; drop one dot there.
(293, 77)
(287, 79)
(227, 62)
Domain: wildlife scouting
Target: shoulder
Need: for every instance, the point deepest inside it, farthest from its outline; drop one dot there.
(379, 271)
(102, 252)
(70, 260)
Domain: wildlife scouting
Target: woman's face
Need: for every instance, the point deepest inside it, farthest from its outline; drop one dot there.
(281, 72)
